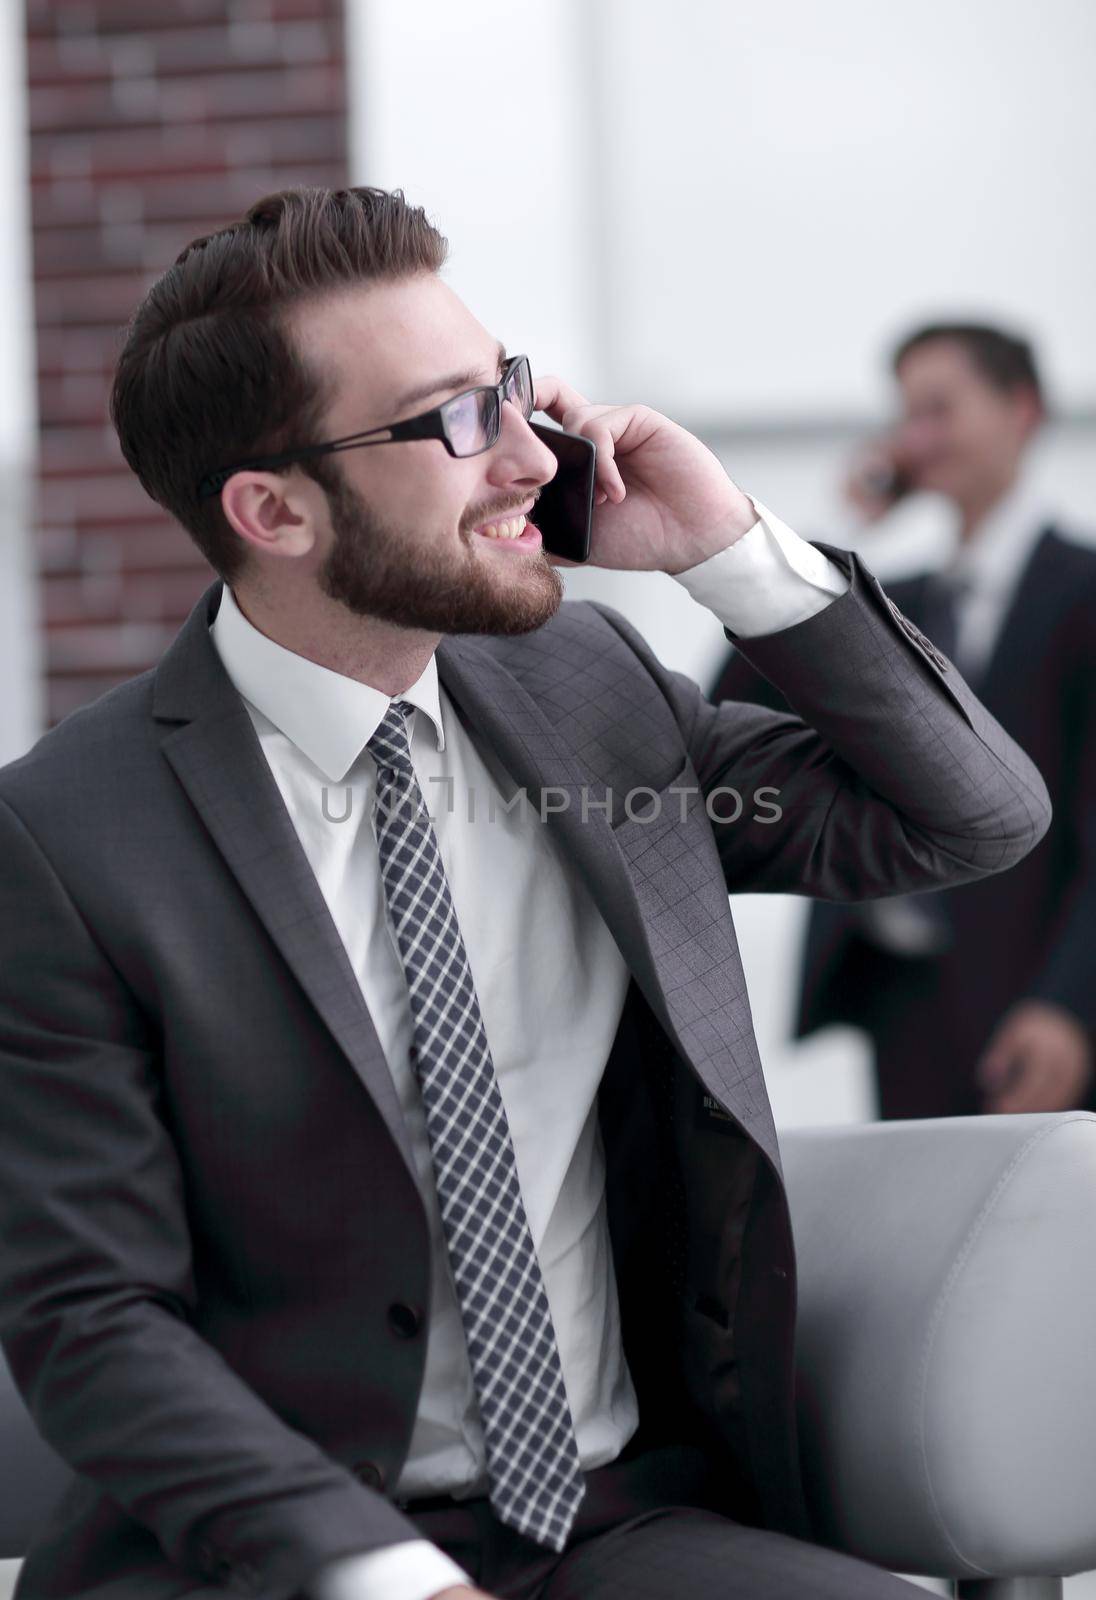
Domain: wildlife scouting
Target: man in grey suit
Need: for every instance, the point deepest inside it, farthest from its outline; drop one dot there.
(391, 1202)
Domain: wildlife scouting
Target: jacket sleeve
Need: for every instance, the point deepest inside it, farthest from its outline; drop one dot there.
(888, 775)
(96, 1279)
(738, 680)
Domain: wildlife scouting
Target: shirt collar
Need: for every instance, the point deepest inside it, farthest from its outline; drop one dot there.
(991, 561)
(330, 718)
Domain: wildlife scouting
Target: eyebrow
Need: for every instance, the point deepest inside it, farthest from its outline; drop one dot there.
(456, 381)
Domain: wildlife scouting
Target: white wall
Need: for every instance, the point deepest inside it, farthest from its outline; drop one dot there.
(20, 695)
(789, 183)
(727, 211)
(479, 112)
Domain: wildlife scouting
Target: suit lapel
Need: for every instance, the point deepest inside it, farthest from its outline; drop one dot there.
(494, 703)
(217, 758)
(492, 700)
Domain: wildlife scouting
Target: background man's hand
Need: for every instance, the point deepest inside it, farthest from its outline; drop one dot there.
(664, 501)
(1039, 1059)
(876, 480)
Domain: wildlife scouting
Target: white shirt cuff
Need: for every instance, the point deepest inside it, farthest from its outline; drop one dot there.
(413, 1570)
(767, 580)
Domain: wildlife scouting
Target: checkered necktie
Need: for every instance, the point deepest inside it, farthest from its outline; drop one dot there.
(535, 1480)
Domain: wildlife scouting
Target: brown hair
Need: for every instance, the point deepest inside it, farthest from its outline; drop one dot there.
(1005, 360)
(208, 374)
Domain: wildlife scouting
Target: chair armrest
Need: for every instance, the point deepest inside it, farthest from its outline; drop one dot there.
(947, 1340)
(32, 1476)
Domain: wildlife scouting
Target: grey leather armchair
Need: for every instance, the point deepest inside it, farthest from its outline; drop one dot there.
(947, 1344)
(32, 1477)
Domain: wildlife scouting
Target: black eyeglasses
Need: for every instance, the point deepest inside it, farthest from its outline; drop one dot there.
(467, 425)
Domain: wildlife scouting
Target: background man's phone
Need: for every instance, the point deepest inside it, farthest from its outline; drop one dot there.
(888, 483)
(878, 478)
(564, 510)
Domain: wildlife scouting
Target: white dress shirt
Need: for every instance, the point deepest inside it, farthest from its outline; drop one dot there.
(551, 989)
(988, 568)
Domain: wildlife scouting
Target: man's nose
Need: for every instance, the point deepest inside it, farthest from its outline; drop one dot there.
(518, 453)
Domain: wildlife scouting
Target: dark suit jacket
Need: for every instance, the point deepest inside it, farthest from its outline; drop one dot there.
(1032, 932)
(206, 1195)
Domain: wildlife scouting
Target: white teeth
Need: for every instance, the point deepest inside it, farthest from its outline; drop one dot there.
(510, 529)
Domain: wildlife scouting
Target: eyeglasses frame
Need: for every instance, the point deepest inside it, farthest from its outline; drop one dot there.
(427, 425)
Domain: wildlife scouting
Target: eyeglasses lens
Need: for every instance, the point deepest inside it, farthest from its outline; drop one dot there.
(472, 420)
(519, 388)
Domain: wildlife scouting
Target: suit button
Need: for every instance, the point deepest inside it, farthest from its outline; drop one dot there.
(405, 1321)
(370, 1474)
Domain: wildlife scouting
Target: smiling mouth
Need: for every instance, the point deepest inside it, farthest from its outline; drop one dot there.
(504, 528)
(513, 527)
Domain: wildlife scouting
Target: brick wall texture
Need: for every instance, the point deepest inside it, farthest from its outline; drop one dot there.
(151, 122)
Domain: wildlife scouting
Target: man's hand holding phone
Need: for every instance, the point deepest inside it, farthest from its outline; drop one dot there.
(663, 501)
(878, 478)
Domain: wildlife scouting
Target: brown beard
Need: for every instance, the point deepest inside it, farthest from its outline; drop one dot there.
(368, 572)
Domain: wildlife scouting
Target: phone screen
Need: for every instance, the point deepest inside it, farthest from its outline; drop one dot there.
(565, 507)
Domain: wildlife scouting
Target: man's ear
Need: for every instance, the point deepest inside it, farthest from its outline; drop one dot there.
(272, 513)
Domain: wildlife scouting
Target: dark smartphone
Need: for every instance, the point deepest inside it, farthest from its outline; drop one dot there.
(564, 510)
(888, 483)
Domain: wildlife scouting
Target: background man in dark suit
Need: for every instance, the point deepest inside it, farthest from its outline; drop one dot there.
(981, 997)
(391, 1200)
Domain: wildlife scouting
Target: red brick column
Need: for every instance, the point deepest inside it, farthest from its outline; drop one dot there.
(150, 123)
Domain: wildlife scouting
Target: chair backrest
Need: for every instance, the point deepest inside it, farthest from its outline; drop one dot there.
(947, 1341)
(32, 1476)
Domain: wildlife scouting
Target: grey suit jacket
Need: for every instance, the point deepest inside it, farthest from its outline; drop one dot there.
(206, 1196)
